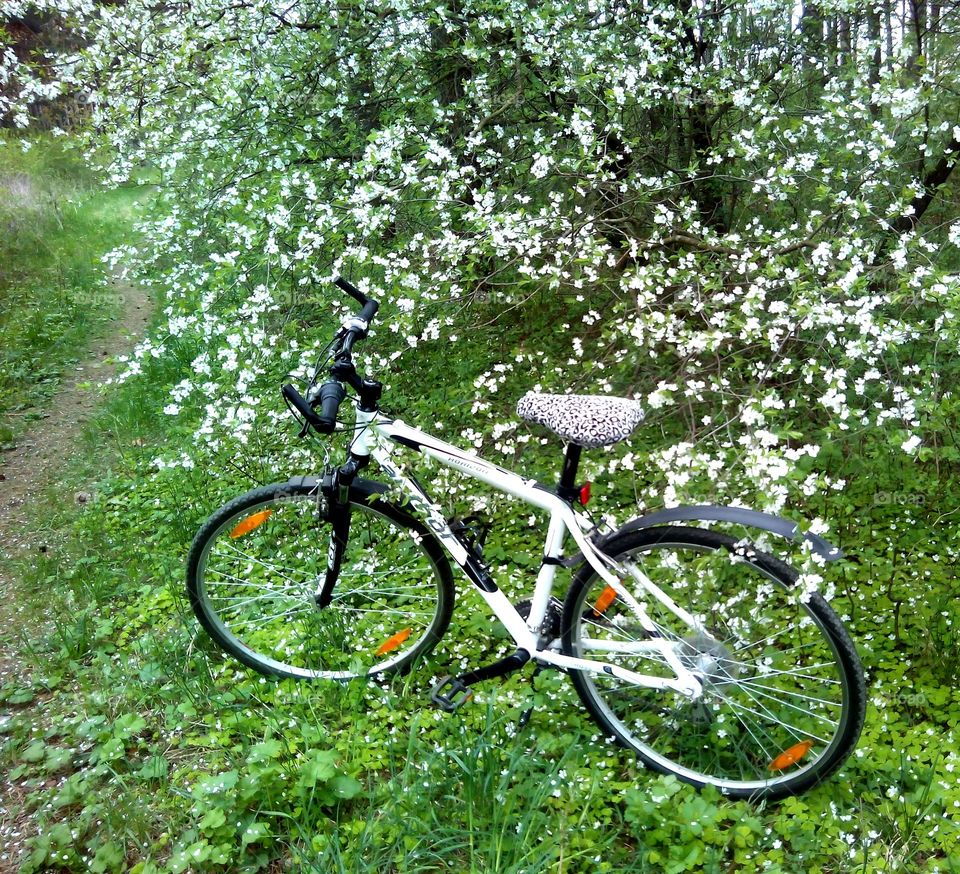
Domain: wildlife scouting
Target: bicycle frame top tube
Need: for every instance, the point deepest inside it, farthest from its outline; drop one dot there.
(371, 426)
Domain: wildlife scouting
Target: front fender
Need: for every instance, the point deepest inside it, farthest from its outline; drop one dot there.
(366, 490)
(737, 516)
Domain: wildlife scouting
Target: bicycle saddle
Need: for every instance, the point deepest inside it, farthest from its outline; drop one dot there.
(586, 420)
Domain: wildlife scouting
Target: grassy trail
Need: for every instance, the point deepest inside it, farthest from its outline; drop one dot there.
(63, 324)
(56, 224)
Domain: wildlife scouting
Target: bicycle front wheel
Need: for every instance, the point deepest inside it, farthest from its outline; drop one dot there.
(256, 563)
(783, 691)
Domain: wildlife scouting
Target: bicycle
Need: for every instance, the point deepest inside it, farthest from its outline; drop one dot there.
(686, 645)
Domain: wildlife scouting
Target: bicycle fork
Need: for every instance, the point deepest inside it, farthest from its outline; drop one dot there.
(335, 488)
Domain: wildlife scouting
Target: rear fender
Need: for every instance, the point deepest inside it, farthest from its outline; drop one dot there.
(736, 516)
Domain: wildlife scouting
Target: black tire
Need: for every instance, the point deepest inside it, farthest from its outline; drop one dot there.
(255, 564)
(781, 678)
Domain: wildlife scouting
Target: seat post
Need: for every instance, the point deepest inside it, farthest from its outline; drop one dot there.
(568, 476)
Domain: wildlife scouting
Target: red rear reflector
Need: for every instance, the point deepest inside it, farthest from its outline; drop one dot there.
(584, 494)
(791, 756)
(392, 642)
(251, 522)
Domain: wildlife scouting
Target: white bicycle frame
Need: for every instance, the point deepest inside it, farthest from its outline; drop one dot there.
(372, 426)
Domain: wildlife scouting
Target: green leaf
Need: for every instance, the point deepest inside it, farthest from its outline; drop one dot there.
(345, 787)
(128, 725)
(108, 751)
(220, 855)
(213, 784)
(35, 752)
(108, 858)
(268, 749)
(154, 768)
(190, 856)
(254, 832)
(19, 696)
(319, 767)
(212, 820)
(58, 758)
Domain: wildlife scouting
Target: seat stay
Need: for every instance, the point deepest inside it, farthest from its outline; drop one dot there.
(598, 561)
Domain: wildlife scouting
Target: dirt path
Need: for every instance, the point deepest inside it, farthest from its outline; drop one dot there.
(33, 464)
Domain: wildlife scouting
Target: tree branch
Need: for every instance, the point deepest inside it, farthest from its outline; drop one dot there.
(931, 183)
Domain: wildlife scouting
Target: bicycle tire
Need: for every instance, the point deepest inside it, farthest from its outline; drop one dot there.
(255, 564)
(779, 713)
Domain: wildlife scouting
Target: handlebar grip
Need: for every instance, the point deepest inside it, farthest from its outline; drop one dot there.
(369, 309)
(298, 401)
(346, 347)
(370, 306)
(331, 395)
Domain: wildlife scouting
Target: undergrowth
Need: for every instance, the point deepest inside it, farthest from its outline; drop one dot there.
(149, 751)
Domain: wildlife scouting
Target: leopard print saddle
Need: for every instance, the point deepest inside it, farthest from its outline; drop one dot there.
(586, 420)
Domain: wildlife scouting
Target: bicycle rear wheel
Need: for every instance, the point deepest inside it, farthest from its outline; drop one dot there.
(783, 691)
(255, 564)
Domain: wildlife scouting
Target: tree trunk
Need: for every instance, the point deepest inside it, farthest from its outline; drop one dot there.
(843, 33)
(933, 35)
(873, 35)
(812, 32)
(915, 38)
(888, 28)
(930, 182)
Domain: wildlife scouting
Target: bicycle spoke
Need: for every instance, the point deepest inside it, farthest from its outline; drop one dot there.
(795, 731)
(768, 667)
(798, 673)
(259, 621)
(238, 555)
(785, 703)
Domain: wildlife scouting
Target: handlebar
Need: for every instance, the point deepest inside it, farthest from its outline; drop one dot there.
(330, 397)
(294, 397)
(356, 328)
(368, 309)
(331, 394)
(368, 304)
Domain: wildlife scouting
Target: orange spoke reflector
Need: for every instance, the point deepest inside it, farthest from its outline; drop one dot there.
(251, 522)
(607, 597)
(392, 642)
(791, 756)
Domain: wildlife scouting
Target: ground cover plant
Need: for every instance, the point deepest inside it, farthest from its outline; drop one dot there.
(742, 216)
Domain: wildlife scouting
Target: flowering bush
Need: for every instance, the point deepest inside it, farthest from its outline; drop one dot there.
(727, 226)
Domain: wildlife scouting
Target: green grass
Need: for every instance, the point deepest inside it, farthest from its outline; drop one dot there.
(154, 753)
(56, 224)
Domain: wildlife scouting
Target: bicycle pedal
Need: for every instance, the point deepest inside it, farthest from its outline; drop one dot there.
(458, 695)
